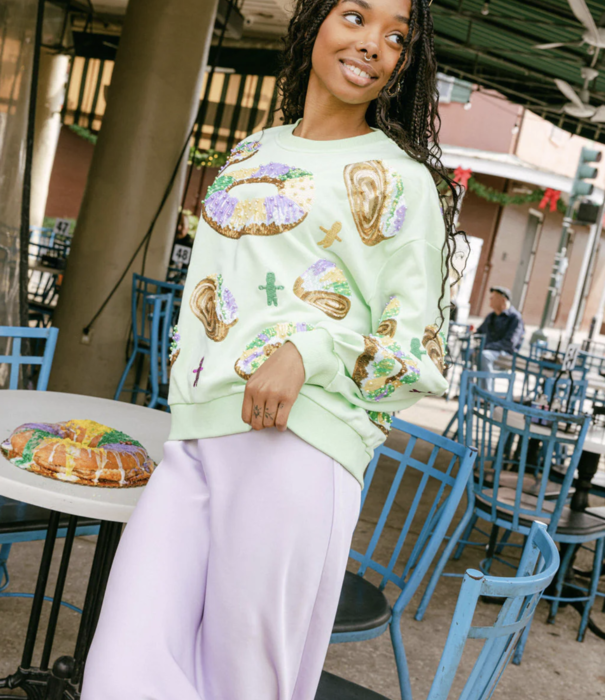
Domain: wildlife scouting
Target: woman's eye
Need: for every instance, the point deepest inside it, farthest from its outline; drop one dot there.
(397, 38)
(353, 18)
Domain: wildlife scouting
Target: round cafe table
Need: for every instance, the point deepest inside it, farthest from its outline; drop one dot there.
(111, 506)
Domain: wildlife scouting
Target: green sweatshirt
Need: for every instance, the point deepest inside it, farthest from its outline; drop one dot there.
(335, 246)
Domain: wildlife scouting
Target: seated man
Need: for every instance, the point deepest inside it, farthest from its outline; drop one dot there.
(503, 329)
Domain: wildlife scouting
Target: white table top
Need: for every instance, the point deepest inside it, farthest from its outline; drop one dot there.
(595, 438)
(148, 426)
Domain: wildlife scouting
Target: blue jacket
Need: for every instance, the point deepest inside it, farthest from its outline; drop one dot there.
(503, 331)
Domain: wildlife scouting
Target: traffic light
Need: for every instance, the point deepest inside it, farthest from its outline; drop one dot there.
(585, 171)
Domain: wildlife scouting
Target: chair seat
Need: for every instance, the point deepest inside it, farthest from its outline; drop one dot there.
(571, 522)
(362, 606)
(530, 484)
(333, 687)
(23, 517)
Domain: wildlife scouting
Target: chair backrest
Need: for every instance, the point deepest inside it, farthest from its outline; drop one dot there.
(503, 388)
(13, 357)
(594, 347)
(539, 350)
(492, 424)
(570, 393)
(161, 321)
(538, 566)
(534, 371)
(424, 475)
(593, 363)
(144, 290)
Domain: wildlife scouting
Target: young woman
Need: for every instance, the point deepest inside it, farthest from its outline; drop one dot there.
(312, 312)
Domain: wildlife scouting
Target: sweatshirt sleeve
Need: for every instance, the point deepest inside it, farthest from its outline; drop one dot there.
(401, 356)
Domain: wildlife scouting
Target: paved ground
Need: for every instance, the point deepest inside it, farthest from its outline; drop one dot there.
(555, 666)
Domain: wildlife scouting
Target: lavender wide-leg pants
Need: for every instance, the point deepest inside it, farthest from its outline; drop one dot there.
(226, 581)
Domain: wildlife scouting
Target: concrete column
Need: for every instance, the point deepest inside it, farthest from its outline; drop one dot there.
(152, 102)
(51, 93)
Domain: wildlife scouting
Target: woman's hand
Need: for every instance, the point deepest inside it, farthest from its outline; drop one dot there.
(272, 389)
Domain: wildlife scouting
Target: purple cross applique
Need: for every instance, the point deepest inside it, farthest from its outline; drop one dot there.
(198, 371)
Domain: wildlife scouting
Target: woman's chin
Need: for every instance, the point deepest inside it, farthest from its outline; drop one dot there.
(352, 95)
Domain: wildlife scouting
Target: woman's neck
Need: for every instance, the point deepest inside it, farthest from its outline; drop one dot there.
(325, 118)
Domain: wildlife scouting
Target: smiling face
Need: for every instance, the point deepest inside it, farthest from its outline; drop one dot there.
(358, 46)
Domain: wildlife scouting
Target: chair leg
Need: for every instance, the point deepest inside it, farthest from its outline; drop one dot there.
(565, 561)
(594, 583)
(400, 659)
(4, 552)
(491, 549)
(137, 377)
(127, 369)
(449, 426)
(465, 537)
(443, 560)
(503, 541)
(518, 656)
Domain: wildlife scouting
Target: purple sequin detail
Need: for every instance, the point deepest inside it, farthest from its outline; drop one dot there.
(264, 337)
(322, 266)
(220, 206)
(281, 210)
(399, 217)
(301, 327)
(272, 170)
(230, 302)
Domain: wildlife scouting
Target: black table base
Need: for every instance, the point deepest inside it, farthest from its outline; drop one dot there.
(64, 680)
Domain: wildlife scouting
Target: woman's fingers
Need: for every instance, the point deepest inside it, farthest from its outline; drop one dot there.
(283, 412)
(270, 413)
(247, 406)
(258, 410)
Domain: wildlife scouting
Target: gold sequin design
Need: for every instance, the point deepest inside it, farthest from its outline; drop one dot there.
(376, 199)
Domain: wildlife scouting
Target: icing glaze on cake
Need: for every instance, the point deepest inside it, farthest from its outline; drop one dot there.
(79, 451)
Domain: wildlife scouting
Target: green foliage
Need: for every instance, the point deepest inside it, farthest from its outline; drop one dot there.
(504, 199)
(86, 134)
(209, 159)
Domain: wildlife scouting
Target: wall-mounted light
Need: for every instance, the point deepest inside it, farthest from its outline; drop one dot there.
(485, 8)
(515, 129)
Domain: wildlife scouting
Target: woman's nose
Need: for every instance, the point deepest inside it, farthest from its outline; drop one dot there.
(370, 49)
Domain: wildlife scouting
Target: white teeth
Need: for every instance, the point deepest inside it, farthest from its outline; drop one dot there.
(357, 71)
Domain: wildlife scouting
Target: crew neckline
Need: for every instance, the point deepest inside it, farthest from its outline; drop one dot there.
(287, 139)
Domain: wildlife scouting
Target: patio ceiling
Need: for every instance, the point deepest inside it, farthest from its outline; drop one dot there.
(498, 51)
(495, 50)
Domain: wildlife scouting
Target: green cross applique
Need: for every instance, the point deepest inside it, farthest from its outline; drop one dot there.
(271, 289)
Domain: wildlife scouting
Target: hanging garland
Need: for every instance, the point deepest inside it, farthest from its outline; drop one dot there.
(544, 197)
(83, 133)
(209, 158)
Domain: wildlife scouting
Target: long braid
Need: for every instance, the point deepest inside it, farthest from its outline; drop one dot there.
(407, 109)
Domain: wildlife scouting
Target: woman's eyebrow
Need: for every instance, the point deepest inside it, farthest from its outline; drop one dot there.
(366, 6)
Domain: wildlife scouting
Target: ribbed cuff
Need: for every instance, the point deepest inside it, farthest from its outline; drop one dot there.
(316, 348)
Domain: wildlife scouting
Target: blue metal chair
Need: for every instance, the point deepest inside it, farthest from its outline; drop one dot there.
(570, 394)
(490, 423)
(425, 475)
(464, 353)
(144, 293)
(21, 522)
(503, 383)
(536, 371)
(161, 322)
(537, 568)
(14, 345)
(540, 351)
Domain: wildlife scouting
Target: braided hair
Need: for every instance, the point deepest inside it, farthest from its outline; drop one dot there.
(406, 109)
